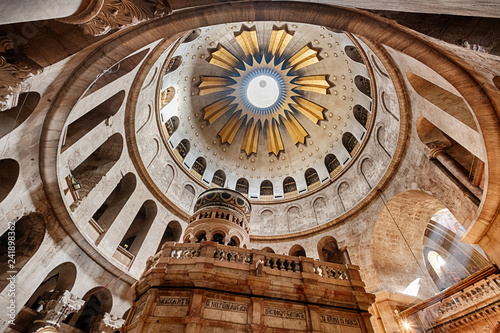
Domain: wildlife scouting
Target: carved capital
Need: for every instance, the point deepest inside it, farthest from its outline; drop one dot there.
(435, 152)
(110, 323)
(117, 14)
(57, 305)
(12, 77)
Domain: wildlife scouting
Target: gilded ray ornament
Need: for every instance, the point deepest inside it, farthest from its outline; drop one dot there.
(262, 90)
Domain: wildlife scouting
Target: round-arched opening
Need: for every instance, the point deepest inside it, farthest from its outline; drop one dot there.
(268, 249)
(9, 173)
(329, 251)
(297, 251)
(98, 301)
(12, 118)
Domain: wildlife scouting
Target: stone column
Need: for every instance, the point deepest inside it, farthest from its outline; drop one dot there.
(110, 323)
(57, 305)
(439, 154)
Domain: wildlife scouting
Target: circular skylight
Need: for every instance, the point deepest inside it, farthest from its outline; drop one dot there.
(263, 91)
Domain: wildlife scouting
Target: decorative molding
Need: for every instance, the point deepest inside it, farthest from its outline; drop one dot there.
(117, 14)
(57, 305)
(15, 69)
(110, 323)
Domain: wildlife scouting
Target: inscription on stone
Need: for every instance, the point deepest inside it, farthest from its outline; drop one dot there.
(284, 313)
(345, 321)
(173, 301)
(226, 306)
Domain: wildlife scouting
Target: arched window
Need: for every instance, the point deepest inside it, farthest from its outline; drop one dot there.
(166, 96)
(192, 36)
(187, 196)
(350, 143)
(81, 126)
(297, 251)
(12, 118)
(182, 149)
(353, 53)
(361, 115)
(289, 186)
(242, 186)
(172, 233)
(219, 178)
(173, 64)
(332, 165)
(171, 125)
(266, 190)
(312, 178)
(363, 85)
(268, 249)
(9, 172)
(199, 167)
(328, 250)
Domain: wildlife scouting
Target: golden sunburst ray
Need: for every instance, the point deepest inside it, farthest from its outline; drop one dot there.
(275, 68)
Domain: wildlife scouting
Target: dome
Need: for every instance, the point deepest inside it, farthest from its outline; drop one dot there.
(219, 197)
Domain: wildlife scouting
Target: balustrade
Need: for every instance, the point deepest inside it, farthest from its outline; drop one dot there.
(331, 271)
(232, 255)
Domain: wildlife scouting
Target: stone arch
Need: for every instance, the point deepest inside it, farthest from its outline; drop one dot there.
(182, 149)
(350, 143)
(148, 118)
(60, 278)
(98, 301)
(267, 223)
(332, 165)
(28, 236)
(382, 139)
(266, 190)
(116, 71)
(297, 251)
(173, 232)
(447, 101)
(320, 210)
(369, 171)
(342, 189)
(12, 118)
(396, 246)
(496, 81)
(312, 178)
(134, 238)
(155, 149)
(353, 53)
(90, 172)
(378, 67)
(80, 127)
(199, 166)
(192, 35)
(363, 85)
(9, 173)
(268, 249)
(242, 186)
(294, 219)
(388, 105)
(171, 125)
(328, 250)
(166, 96)
(173, 64)
(219, 178)
(168, 176)
(187, 196)
(289, 186)
(107, 213)
(361, 115)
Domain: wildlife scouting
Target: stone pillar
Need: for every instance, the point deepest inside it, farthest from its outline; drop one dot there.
(110, 323)
(57, 305)
(438, 153)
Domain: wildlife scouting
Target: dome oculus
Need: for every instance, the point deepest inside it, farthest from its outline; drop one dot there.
(263, 90)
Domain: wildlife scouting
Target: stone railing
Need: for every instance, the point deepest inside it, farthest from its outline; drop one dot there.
(222, 214)
(467, 303)
(330, 270)
(232, 254)
(188, 250)
(282, 263)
